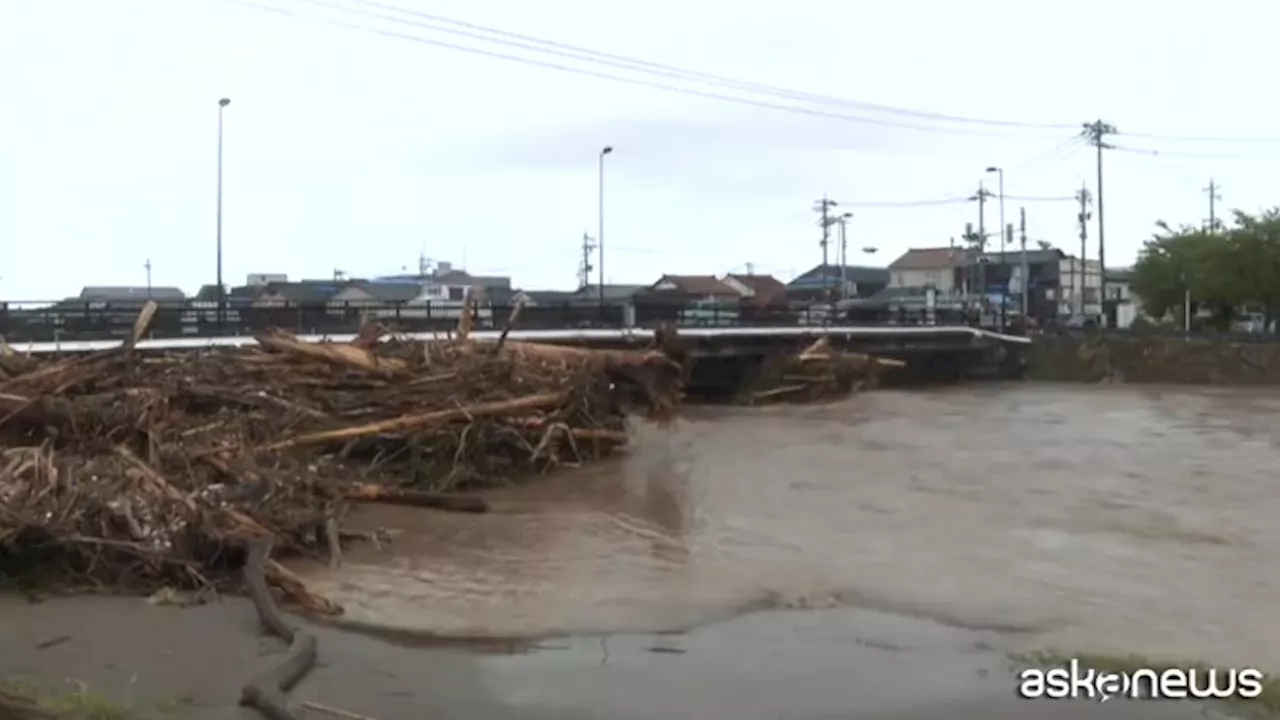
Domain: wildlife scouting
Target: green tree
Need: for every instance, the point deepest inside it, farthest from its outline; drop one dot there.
(1255, 243)
(1227, 271)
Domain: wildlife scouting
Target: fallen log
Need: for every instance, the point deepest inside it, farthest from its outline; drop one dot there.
(265, 693)
(416, 498)
(422, 420)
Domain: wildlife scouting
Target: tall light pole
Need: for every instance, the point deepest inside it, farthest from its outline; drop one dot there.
(844, 251)
(600, 230)
(222, 299)
(1004, 266)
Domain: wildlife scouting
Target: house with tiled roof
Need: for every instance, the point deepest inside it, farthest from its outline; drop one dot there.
(758, 290)
(826, 281)
(940, 268)
(688, 288)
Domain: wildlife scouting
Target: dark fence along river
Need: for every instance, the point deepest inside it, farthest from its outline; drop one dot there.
(1093, 518)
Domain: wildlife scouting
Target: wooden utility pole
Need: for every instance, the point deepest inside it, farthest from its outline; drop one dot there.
(1096, 132)
(1214, 197)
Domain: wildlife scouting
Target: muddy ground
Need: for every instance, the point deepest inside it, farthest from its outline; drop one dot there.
(810, 665)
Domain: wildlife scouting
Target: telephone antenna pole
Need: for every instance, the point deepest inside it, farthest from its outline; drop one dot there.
(823, 207)
(1096, 133)
(1085, 199)
(982, 196)
(584, 266)
(1214, 197)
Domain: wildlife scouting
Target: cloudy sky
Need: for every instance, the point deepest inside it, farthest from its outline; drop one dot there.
(361, 134)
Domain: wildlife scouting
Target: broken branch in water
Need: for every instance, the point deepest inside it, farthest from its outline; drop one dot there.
(265, 693)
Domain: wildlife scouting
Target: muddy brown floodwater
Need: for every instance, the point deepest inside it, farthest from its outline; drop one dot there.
(1073, 518)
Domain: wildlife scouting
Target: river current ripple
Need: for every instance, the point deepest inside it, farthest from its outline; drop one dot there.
(1104, 519)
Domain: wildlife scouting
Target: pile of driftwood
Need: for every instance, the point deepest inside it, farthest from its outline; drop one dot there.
(141, 470)
(819, 372)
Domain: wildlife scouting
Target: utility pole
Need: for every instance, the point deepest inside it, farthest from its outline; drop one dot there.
(982, 197)
(1026, 271)
(970, 268)
(147, 265)
(606, 150)
(844, 255)
(1085, 199)
(584, 266)
(823, 207)
(1005, 242)
(1214, 197)
(1096, 133)
(222, 291)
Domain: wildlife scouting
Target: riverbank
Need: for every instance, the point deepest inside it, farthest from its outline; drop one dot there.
(165, 662)
(1153, 359)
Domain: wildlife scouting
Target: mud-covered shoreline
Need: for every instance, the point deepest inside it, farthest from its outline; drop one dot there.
(802, 665)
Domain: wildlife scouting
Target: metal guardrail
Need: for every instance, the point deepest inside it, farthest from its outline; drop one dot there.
(66, 321)
(627, 335)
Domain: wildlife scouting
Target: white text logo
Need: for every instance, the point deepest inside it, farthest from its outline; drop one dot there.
(1077, 681)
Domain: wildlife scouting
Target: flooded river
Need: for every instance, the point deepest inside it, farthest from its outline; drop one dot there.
(1077, 518)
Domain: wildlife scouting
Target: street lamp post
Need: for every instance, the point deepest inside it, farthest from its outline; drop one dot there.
(844, 261)
(600, 230)
(1004, 266)
(222, 299)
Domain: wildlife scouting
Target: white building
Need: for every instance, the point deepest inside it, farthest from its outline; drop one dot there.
(1128, 306)
(1079, 283)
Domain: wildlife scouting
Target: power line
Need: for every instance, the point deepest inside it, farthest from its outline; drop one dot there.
(1172, 153)
(1190, 139)
(553, 47)
(1055, 153)
(638, 65)
(957, 200)
(618, 78)
(911, 203)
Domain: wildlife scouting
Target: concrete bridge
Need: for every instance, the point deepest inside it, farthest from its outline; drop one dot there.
(895, 341)
(722, 356)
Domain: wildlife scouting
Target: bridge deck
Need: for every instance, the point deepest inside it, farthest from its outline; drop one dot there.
(585, 336)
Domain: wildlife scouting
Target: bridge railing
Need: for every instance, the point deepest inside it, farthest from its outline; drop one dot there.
(45, 322)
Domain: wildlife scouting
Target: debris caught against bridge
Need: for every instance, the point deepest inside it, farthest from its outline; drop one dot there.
(149, 470)
(819, 372)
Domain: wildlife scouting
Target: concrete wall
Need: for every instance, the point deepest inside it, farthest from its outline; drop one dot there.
(1174, 360)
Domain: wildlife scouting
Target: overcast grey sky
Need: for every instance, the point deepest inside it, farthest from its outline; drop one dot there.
(355, 150)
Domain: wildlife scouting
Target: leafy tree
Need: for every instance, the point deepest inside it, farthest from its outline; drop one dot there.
(1255, 243)
(1227, 270)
